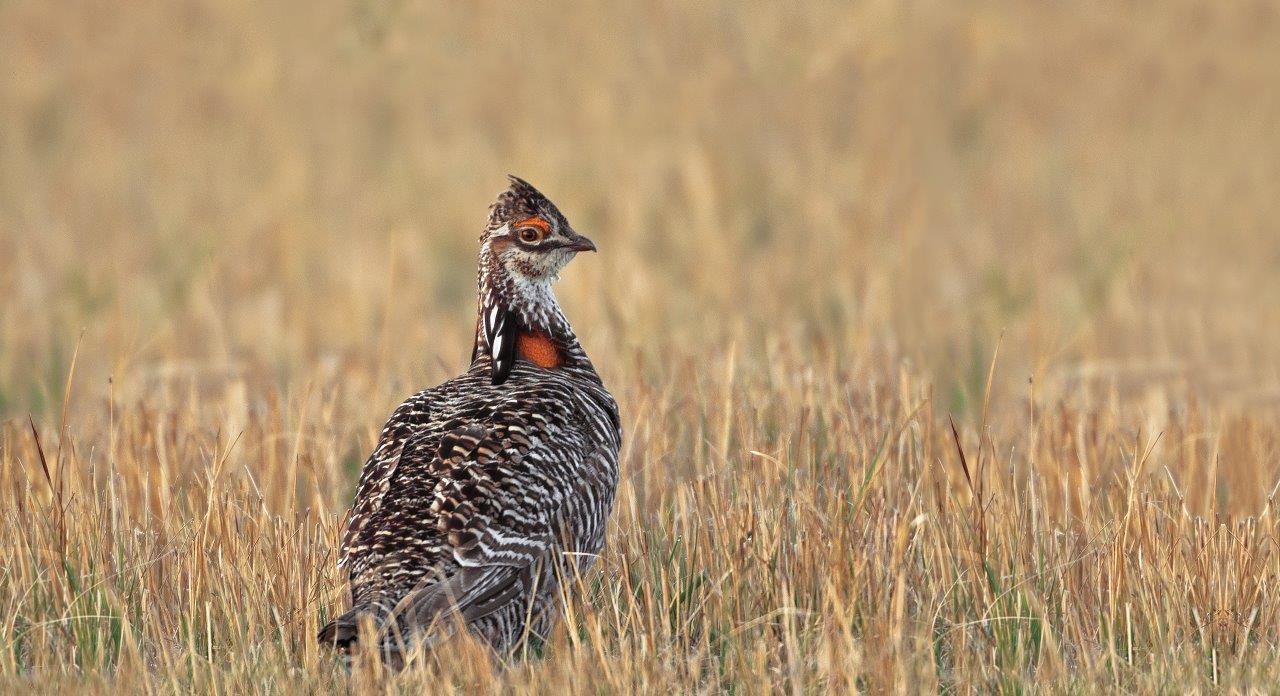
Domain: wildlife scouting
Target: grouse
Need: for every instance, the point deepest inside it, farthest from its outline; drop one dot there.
(487, 493)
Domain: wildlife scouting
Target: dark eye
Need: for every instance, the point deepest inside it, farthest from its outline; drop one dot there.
(530, 235)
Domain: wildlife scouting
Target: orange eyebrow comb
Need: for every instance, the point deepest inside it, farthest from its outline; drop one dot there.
(535, 222)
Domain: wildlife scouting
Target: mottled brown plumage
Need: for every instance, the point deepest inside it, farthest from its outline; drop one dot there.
(485, 491)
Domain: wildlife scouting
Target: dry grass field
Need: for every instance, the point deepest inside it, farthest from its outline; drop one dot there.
(233, 236)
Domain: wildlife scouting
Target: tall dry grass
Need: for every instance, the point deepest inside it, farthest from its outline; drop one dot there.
(234, 236)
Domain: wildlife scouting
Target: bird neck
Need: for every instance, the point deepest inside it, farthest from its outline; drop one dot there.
(542, 333)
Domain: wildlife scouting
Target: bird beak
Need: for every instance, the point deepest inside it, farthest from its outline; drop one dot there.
(580, 243)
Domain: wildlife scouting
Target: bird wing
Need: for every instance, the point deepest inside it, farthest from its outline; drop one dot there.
(499, 504)
(498, 499)
(380, 469)
(472, 508)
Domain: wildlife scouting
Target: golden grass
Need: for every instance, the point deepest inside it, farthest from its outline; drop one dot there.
(234, 236)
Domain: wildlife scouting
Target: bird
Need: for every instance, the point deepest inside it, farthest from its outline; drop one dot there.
(486, 494)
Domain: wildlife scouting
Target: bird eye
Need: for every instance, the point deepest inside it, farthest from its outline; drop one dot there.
(530, 235)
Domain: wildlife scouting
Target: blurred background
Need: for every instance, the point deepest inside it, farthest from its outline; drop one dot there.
(211, 196)
(234, 235)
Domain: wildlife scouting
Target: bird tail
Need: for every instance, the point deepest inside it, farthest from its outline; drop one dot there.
(428, 614)
(341, 633)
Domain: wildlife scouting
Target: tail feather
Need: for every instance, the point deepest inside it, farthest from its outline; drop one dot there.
(428, 614)
(343, 635)
(343, 631)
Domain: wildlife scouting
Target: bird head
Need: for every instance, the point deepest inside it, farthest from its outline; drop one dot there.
(527, 237)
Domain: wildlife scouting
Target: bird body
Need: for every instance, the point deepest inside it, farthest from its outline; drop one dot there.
(486, 491)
